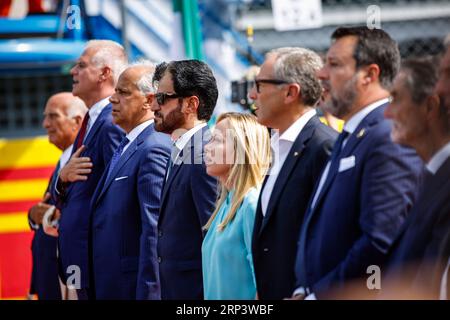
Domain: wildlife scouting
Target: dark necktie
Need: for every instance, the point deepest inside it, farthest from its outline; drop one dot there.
(173, 155)
(116, 156)
(81, 133)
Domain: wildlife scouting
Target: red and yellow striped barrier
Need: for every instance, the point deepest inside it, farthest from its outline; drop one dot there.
(25, 167)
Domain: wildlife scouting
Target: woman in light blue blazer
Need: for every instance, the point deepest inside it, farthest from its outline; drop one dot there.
(239, 156)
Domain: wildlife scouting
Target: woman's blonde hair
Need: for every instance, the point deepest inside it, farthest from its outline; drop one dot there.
(251, 142)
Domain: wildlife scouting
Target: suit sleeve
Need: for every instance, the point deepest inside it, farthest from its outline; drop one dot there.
(150, 182)
(388, 190)
(204, 192)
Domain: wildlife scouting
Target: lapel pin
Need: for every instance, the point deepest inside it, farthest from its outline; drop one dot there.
(361, 133)
(296, 154)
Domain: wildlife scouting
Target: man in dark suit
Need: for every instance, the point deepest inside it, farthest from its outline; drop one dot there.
(370, 183)
(62, 119)
(285, 93)
(125, 205)
(94, 77)
(186, 97)
(421, 120)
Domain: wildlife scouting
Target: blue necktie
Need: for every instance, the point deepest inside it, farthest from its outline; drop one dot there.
(116, 156)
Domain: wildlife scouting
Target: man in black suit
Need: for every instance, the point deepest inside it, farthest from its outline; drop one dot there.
(285, 94)
(420, 112)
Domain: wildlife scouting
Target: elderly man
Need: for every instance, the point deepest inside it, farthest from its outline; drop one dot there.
(125, 205)
(370, 183)
(63, 115)
(186, 97)
(421, 120)
(285, 93)
(94, 77)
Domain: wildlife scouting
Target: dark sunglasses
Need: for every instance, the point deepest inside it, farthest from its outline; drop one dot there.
(161, 97)
(258, 82)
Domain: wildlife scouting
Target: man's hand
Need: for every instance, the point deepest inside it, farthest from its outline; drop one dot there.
(37, 211)
(50, 221)
(77, 169)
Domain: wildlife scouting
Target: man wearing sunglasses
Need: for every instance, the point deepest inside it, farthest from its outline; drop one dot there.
(185, 99)
(285, 93)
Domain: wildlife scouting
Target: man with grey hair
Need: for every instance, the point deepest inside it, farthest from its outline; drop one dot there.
(421, 121)
(285, 93)
(94, 77)
(62, 119)
(125, 205)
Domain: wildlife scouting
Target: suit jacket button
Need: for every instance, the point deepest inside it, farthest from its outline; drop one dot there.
(159, 259)
(160, 233)
(266, 249)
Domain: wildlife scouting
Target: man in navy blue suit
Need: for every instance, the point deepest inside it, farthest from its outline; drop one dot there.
(185, 99)
(94, 77)
(125, 205)
(421, 120)
(370, 183)
(285, 93)
(62, 119)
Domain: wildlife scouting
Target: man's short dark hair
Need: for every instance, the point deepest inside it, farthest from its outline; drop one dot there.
(421, 77)
(192, 78)
(373, 46)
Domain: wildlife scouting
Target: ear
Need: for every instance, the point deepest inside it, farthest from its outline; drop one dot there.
(293, 92)
(191, 105)
(371, 74)
(432, 108)
(78, 120)
(106, 73)
(149, 100)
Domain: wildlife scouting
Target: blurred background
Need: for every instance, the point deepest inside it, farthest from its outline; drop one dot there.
(41, 39)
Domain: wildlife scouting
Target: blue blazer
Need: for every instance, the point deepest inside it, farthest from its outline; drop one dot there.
(125, 210)
(44, 273)
(188, 200)
(360, 211)
(74, 202)
(274, 255)
(418, 246)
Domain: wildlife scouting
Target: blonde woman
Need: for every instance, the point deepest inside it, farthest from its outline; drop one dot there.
(239, 156)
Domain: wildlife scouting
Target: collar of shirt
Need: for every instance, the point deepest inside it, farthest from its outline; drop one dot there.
(353, 123)
(438, 159)
(95, 111)
(294, 130)
(182, 141)
(65, 156)
(133, 134)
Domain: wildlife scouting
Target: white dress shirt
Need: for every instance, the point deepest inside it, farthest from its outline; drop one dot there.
(94, 112)
(281, 146)
(183, 140)
(438, 159)
(133, 134)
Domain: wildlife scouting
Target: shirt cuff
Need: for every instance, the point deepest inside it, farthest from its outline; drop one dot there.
(312, 296)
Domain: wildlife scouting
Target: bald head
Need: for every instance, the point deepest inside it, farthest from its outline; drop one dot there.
(133, 96)
(63, 115)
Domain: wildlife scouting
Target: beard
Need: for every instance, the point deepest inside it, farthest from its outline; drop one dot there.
(171, 122)
(341, 105)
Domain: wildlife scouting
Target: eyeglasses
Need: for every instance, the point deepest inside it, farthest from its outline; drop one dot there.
(162, 97)
(258, 82)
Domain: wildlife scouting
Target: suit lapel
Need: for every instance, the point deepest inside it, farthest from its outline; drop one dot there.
(289, 164)
(123, 160)
(98, 123)
(187, 152)
(353, 141)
